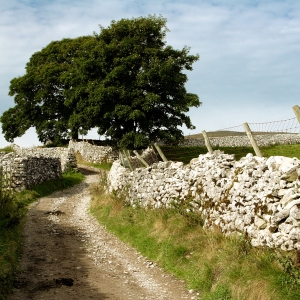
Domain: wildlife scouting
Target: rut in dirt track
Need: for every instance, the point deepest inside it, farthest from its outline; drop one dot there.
(68, 255)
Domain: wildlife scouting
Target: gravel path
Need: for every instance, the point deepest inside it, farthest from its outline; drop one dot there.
(68, 255)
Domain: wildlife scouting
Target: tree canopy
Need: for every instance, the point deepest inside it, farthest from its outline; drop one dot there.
(124, 81)
(40, 94)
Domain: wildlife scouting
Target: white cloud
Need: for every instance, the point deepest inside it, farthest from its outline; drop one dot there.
(249, 51)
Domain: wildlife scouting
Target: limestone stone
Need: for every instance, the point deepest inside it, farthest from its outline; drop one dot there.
(248, 197)
(260, 223)
(287, 245)
(20, 172)
(285, 228)
(294, 234)
(295, 212)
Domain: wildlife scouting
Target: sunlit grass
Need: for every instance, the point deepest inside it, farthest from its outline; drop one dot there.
(218, 267)
(7, 149)
(186, 154)
(282, 150)
(102, 166)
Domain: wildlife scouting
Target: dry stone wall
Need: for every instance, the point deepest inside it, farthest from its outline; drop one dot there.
(243, 141)
(27, 167)
(93, 153)
(256, 196)
(22, 172)
(66, 156)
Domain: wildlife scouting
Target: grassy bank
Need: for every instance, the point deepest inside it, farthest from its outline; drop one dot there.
(7, 149)
(12, 212)
(185, 154)
(102, 166)
(218, 267)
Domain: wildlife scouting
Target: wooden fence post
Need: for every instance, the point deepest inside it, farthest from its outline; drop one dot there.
(296, 110)
(140, 158)
(153, 154)
(252, 140)
(122, 159)
(207, 142)
(160, 152)
(128, 159)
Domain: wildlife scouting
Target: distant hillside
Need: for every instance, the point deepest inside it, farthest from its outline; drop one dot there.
(229, 133)
(215, 134)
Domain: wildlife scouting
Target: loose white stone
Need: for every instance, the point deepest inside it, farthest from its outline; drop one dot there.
(295, 212)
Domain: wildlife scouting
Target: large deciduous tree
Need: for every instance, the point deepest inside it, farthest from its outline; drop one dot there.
(141, 96)
(39, 95)
(125, 81)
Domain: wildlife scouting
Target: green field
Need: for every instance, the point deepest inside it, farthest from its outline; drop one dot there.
(185, 154)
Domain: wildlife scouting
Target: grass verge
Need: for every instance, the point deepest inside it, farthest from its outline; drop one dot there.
(13, 209)
(103, 166)
(7, 149)
(218, 267)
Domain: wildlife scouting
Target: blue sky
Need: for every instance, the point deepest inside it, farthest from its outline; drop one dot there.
(249, 67)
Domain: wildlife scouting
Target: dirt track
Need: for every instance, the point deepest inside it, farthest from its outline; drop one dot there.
(68, 255)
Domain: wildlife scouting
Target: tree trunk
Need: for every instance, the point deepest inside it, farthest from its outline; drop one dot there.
(74, 134)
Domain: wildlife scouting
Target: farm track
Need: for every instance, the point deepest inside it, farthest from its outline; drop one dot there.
(68, 255)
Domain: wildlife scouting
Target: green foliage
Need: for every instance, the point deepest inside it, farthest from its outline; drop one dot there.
(221, 291)
(125, 81)
(9, 211)
(39, 95)
(144, 83)
(10, 248)
(289, 267)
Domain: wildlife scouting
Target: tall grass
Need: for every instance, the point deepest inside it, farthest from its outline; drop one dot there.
(13, 208)
(7, 149)
(216, 266)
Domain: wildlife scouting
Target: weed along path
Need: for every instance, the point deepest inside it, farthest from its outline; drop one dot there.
(68, 255)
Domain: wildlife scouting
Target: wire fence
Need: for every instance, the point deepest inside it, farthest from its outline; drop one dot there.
(288, 126)
(284, 126)
(240, 140)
